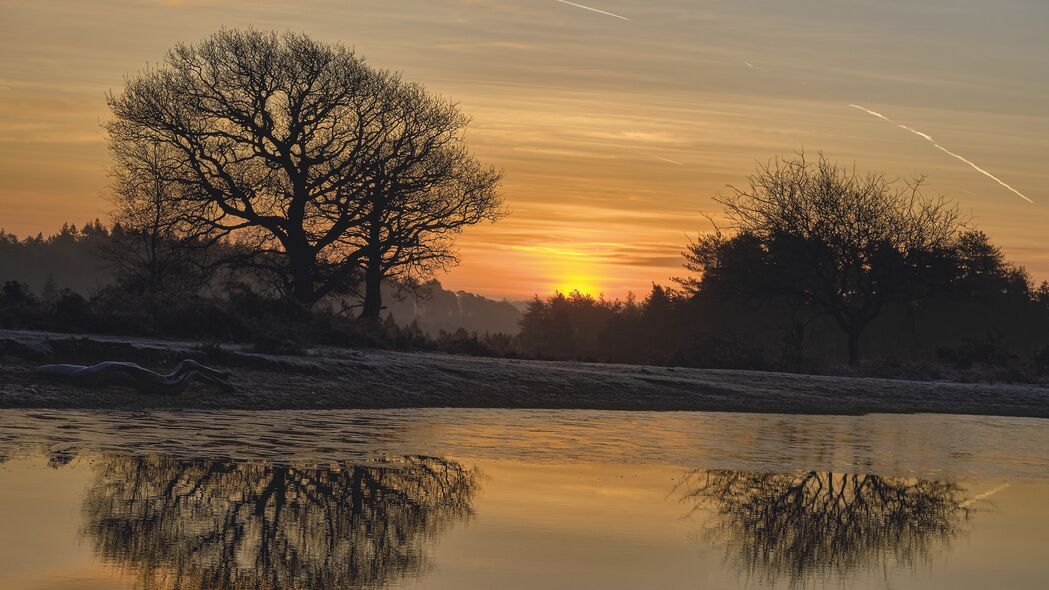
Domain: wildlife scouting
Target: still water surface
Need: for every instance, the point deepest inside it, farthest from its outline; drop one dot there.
(520, 499)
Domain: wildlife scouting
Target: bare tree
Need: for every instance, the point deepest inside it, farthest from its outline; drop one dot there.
(152, 248)
(842, 243)
(426, 188)
(279, 141)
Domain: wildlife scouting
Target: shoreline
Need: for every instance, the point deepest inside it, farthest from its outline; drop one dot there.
(330, 378)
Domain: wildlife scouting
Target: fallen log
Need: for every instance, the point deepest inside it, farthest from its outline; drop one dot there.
(124, 373)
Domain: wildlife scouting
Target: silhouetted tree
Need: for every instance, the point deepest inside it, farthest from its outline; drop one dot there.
(425, 187)
(542, 333)
(282, 142)
(572, 326)
(981, 270)
(736, 272)
(238, 525)
(153, 248)
(841, 243)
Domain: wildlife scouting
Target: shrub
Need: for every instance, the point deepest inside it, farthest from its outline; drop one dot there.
(988, 351)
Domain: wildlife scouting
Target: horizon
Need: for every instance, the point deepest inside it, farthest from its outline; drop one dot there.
(614, 122)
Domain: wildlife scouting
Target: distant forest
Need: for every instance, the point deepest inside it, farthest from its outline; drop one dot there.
(71, 280)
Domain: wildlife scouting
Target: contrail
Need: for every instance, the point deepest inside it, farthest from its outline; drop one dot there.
(943, 149)
(592, 9)
(655, 157)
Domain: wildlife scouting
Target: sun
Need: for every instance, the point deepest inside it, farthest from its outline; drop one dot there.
(569, 270)
(584, 285)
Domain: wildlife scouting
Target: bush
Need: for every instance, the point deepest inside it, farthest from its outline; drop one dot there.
(71, 309)
(988, 351)
(715, 351)
(1041, 360)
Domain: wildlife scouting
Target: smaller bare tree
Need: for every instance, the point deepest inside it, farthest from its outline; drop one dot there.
(152, 247)
(425, 189)
(843, 243)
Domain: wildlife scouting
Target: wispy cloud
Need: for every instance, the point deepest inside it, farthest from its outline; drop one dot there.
(928, 138)
(593, 9)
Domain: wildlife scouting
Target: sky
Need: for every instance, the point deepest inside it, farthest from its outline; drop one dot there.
(615, 122)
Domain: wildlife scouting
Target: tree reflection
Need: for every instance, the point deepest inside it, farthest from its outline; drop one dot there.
(802, 526)
(229, 525)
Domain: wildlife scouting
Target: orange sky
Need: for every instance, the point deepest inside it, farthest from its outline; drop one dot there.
(613, 134)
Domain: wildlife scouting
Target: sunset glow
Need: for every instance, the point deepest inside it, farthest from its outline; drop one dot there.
(613, 135)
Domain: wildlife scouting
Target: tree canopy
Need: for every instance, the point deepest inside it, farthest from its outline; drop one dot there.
(314, 161)
(825, 237)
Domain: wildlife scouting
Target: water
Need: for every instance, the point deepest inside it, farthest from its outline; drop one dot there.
(520, 499)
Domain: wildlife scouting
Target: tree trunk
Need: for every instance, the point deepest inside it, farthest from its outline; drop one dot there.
(303, 290)
(303, 295)
(373, 273)
(372, 307)
(854, 348)
(794, 345)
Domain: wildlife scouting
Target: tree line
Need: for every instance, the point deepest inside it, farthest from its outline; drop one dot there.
(80, 279)
(818, 264)
(751, 299)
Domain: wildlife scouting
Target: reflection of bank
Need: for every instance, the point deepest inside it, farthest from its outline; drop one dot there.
(806, 526)
(226, 525)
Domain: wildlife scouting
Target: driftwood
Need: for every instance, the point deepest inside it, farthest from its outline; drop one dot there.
(122, 373)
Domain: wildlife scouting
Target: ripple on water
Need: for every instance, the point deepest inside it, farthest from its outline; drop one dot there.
(922, 444)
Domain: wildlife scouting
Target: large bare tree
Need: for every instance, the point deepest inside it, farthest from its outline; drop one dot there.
(281, 141)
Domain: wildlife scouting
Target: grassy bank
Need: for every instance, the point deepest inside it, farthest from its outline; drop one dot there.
(341, 378)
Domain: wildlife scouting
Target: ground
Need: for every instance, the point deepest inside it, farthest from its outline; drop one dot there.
(342, 378)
